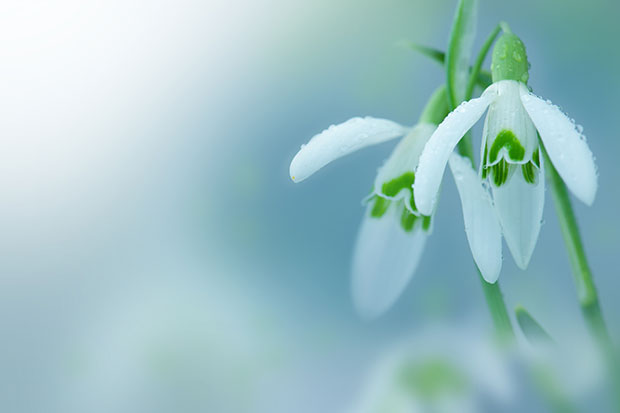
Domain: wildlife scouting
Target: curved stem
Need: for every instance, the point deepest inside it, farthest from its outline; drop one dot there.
(497, 307)
(505, 27)
(475, 70)
(584, 282)
(586, 291)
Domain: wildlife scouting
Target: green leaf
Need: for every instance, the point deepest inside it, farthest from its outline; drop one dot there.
(434, 54)
(483, 79)
(532, 331)
(459, 51)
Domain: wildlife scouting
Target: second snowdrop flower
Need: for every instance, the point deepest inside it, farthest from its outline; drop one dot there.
(391, 238)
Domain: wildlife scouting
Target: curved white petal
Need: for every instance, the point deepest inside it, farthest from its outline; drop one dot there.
(439, 147)
(519, 206)
(340, 140)
(566, 146)
(384, 260)
(403, 160)
(481, 224)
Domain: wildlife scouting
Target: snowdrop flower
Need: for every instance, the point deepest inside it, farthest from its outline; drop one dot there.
(511, 154)
(443, 369)
(393, 232)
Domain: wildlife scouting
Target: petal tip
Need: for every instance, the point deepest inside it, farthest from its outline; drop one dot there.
(490, 279)
(589, 197)
(295, 170)
(423, 202)
(491, 275)
(426, 208)
(522, 261)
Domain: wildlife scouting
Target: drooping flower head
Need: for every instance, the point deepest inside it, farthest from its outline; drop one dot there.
(391, 238)
(512, 160)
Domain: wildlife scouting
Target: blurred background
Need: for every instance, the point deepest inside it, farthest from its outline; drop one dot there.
(157, 257)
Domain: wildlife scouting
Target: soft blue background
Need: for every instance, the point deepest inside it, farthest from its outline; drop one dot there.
(156, 255)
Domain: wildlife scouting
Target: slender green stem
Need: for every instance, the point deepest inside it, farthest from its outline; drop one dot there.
(475, 71)
(505, 27)
(584, 282)
(459, 46)
(586, 291)
(465, 147)
(497, 307)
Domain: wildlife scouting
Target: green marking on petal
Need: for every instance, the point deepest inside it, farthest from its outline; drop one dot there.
(500, 172)
(412, 202)
(393, 187)
(407, 220)
(485, 169)
(380, 207)
(536, 157)
(529, 172)
(426, 222)
(507, 139)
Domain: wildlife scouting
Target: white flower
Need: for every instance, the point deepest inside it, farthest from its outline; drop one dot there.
(511, 160)
(393, 233)
(391, 238)
(440, 369)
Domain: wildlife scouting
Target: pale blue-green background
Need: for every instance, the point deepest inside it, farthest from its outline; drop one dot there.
(156, 255)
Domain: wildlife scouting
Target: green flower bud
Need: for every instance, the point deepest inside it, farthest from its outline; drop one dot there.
(509, 59)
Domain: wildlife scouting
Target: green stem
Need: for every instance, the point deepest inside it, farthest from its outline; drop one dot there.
(475, 71)
(497, 307)
(465, 146)
(586, 291)
(584, 282)
(505, 27)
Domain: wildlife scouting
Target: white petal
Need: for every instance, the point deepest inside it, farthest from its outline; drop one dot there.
(404, 159)
(506, 113)
(565, 145)
(520, 206)
(384, 260)
(439, 147)
(481, 224)
(340, 140)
